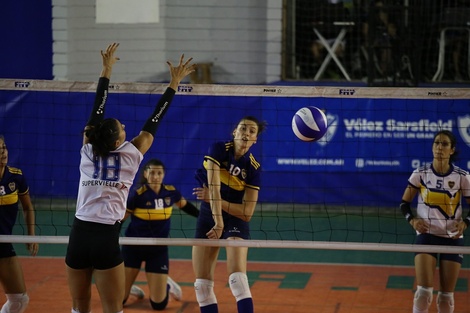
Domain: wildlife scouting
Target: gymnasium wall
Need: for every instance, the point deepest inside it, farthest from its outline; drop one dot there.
(26, 39)
(242, 39)
(60, 39)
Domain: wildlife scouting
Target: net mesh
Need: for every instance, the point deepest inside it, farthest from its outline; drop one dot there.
(340, 193)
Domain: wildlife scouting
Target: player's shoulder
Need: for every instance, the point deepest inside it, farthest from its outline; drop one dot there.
(228, 144)
(141, 190)
(219, 146)
(459, 171)
(169, 187)
(254, 163)
(14, 170)
(424, 168)
(223, 145)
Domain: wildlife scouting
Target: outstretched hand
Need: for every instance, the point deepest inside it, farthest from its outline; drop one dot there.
(179, 72)
(109, 59)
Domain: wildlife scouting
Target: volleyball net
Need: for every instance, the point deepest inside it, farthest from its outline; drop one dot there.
(339, 193)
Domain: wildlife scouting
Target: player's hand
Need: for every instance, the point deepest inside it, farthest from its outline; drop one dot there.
(420, 225)
(179, 72)
(215, 232)
(33, 248)
(202, 193)
(460, 227)
(108, 56)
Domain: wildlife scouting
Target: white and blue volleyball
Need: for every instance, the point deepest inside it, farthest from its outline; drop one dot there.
(309, 123)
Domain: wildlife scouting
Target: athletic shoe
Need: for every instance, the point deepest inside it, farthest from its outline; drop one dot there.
(137, 292)
(175, 289)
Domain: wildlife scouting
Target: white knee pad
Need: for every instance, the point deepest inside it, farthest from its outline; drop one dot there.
(238, 282)
(205, 292)
(422, 300)
(16, 303)
(445, 302)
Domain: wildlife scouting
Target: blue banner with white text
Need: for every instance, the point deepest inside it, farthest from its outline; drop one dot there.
(370, 148)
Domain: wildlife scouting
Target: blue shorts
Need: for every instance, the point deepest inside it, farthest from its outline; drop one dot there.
(155, 257)
(6, 250)
(233, 226)
(93, 245)
(428, 239)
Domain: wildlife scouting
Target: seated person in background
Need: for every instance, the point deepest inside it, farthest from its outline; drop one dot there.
(382, 39)
(330, 11)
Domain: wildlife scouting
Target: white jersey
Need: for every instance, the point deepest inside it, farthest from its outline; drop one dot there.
(440, 197)
(105, 183)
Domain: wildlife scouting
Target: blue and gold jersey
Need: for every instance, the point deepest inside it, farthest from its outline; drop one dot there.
(440, 197)
(235, 175)
(151, 212)
(12, 185)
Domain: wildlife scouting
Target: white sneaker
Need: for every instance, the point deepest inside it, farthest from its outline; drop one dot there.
(137, 292)
(175, 289)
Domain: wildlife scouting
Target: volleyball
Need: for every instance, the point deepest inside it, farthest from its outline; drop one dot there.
(309, 123)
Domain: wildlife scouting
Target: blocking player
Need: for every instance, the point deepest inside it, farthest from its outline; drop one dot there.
(107, 169)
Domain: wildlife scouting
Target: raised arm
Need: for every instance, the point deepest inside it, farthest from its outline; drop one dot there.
(145, 138)
(97, 113)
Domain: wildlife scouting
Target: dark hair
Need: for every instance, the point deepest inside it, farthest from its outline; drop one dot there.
(152, 162)
(262, 125)
(103, 136)
(453, 143)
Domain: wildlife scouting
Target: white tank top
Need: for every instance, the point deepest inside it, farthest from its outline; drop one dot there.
(105, 183)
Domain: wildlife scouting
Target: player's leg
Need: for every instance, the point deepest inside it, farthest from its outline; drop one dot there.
(79, 269)
(79, 281)
(238, 281)
(159, 290)
(425, 265)
(157, 265)
(110, 284)
(11, 277)
(204, 260)
(131, 274)
(449, 268)
(133, 259)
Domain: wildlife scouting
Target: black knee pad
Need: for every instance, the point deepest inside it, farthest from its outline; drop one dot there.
(160, 306)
